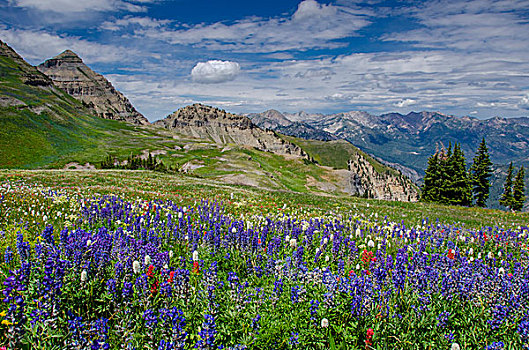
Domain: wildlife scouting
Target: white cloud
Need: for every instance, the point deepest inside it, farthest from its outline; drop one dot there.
(212, 72)
(142, 22)
(38, 46)
(78, 6)
(311, 26)
(405, 103)
(524, 102)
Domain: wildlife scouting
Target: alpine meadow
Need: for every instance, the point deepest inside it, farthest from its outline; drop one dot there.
(295, 174)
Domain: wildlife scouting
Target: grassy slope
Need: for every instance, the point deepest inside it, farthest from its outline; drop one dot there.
(150, 185)
(336, 153)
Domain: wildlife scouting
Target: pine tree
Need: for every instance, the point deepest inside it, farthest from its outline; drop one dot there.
(446, 173)
(481, 171)
(458, 183)
(430, 189)
(518, 190)
(506, 198)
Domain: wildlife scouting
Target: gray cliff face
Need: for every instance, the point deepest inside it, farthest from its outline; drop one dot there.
(222, 127)
(68, 72)
(372, 184)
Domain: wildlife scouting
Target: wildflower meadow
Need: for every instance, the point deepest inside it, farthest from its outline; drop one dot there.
(131, 265)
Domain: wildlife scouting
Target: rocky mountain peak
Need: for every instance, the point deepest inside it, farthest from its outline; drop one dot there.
(69, 73)
(65, 57)
(222, 127)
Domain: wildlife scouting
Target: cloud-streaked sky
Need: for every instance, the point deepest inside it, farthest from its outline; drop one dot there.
(456, 57)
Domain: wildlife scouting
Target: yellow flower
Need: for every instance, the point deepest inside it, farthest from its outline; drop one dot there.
(3, 313)
(6, 322)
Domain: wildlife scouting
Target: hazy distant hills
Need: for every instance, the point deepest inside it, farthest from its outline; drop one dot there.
(274, 120)
(410, 139)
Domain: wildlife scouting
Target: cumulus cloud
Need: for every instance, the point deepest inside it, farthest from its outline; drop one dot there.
(405, 103)
(214, 71)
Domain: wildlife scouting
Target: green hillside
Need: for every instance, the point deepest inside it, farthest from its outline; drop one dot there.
(42, 126)
(336, 153)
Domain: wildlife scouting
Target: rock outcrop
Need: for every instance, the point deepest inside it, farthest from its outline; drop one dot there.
(366, 181)
(207, 122)
(68, 72)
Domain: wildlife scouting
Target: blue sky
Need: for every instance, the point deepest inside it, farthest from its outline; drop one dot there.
(456, 57)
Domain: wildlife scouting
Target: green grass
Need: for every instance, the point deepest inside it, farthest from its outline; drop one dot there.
(335, 154)
(250, 199)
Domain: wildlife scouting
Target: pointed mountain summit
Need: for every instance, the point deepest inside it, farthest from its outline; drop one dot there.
(68, 72)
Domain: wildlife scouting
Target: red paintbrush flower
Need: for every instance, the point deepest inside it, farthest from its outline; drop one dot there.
(369, 337)
(150, 271)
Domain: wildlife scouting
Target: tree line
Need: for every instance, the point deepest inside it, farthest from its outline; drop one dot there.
(134, 163)
(448, 181)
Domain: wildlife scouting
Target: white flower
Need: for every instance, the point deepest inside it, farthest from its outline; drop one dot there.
(357, 232)
(499, 254)
(332, 237)
(501, 271)
(195, 255)
(324, 323)
(171, 254)
(147, 260)
(327, 258)
(136, 266)
(293, 243)
(471, 251)
(472, 240)
(358, 266)
(166, 266)
(89, 243)
(471, 259)
(180, 215)
(184, 209)
(317, 251)
(479, 255)
(233, 230)
(84, 276)
(370, 244)
(231, 196)
(455, 346)
(325, 240)
(490, 255)
(186, 237)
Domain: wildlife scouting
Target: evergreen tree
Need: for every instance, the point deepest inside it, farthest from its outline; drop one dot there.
(430, 188)
(481, 171)
(446, 173)
(458, 182)
(506, 198)
(518, 190)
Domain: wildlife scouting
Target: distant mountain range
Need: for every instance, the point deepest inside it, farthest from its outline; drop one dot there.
(406, 141)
